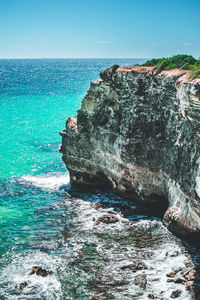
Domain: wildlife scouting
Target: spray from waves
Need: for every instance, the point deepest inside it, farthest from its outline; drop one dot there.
(17, 273)
(52, 181)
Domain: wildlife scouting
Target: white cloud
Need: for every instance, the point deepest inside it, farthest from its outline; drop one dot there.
(187, 44)
(104, 42)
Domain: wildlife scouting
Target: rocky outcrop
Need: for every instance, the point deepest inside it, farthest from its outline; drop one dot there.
(140, 133)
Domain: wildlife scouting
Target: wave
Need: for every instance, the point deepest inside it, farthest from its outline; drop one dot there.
(50, 181)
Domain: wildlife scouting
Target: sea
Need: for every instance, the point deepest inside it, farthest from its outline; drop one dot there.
(49, 224)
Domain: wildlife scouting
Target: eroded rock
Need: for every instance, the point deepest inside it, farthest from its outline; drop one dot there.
(140, 133)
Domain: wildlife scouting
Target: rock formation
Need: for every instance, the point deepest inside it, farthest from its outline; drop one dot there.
(139, 132)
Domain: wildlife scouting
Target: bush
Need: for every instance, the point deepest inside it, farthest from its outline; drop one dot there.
(194, 74)
(152, 62)
(171, 66)
(187, 66)
(181, 61)
(114, 68)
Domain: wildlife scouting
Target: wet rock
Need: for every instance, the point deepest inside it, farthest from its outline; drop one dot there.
(191, 287)
(176, 280)
(190, 275)
(40, 271)
(22, 285)
(172, 254)
(141, 281)
(95, 205)
(107, 219)
(112, 212)
(138, 265)
(95, 297)
(134, 222)
(102, 297)
(143, 238)
(176, 294)
(65, 232)
(171, 274)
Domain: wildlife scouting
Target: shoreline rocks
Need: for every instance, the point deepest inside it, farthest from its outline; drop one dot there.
(139, 133)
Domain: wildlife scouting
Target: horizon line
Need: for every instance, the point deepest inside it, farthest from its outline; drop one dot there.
(75, 58)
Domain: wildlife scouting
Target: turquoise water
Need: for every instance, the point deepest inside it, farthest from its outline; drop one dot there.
(36, 96)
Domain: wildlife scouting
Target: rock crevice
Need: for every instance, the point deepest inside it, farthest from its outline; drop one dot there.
(140, 133)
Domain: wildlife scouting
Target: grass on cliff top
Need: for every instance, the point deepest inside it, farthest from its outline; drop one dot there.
(183, 62)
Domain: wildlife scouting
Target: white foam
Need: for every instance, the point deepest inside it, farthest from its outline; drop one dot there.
(18, 271)
(50, 181)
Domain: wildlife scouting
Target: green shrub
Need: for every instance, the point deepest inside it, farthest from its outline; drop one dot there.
(114, 67)
(187, 66)
(194, 74)
(152, 62)
(171, 66)
(181, 61)
(176, 61)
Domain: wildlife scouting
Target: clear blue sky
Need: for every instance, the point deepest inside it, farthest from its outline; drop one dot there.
(99, 28)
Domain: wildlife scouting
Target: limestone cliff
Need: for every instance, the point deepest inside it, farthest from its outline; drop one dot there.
(140, 133)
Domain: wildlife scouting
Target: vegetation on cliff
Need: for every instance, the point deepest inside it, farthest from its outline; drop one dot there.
(184, 62)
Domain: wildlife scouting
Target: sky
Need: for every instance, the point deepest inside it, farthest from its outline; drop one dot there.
(99, 28)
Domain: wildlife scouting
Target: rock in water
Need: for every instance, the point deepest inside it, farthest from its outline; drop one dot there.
(140, 133)
(141, 281)
(176, 294)
(107, 219)
(40, 271)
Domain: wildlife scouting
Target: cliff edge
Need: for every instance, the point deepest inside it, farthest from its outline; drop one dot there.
(140, 133)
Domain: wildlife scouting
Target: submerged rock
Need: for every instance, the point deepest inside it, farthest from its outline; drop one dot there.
(40, 271)
(66, 232)
(140, 133)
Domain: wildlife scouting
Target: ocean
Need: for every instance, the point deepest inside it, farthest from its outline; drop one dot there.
(40, 225)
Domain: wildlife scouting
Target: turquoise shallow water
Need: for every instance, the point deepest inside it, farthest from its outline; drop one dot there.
(36, 96)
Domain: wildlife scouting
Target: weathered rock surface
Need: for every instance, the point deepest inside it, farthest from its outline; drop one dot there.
(140, 133)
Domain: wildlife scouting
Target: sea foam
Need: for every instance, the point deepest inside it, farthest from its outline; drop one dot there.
(50, 181)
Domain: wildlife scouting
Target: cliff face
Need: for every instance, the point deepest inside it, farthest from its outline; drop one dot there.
(140, 133)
